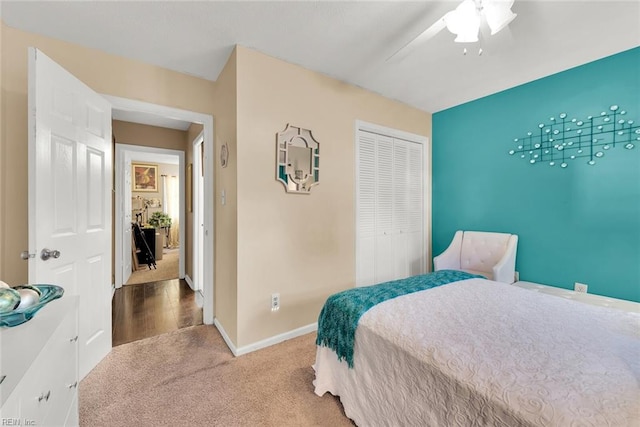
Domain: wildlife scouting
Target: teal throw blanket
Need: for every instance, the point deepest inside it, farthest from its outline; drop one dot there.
(342, 311)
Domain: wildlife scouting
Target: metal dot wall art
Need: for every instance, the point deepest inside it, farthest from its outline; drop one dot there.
(563, 140)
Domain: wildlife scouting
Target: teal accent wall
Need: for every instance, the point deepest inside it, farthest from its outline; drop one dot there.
(579, 224)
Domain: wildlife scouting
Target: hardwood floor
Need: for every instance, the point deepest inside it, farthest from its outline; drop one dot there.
(148, 309)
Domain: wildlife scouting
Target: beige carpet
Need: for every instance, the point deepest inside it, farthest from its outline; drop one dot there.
(190, 378)
(166, 269)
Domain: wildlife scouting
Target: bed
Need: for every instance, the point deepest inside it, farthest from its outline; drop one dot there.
(481, 353)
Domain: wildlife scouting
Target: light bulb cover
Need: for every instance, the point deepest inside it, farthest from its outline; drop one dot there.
(464, 22)
(498, 14)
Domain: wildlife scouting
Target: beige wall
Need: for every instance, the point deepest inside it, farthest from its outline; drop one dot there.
(105, 73)
(302, 246)
(149, 136)
(266, 241)
(226, 249)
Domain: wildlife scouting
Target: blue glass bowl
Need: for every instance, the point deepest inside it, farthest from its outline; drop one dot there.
(47, 294)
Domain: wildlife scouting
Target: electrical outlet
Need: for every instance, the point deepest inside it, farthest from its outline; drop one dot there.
(580, 287)
(275, 302)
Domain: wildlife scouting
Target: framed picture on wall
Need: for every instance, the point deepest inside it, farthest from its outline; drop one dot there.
(145, 177)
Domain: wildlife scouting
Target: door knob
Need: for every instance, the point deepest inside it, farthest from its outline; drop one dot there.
(49, 253)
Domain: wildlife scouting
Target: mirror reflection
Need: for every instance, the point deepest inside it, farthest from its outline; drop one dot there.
(297, 160)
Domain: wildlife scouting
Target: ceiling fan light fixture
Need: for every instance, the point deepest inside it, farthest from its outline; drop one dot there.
(468, 35)
(464, 22)
(498, 14)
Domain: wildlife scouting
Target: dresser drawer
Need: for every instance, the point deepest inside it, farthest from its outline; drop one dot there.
(20, 345)
(64, 382)
(46, 391)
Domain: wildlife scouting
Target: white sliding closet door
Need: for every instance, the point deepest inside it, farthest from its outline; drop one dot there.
(390, 212)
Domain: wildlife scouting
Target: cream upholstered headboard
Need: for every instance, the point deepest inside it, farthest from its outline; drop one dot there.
(481, 251)
(492, 255)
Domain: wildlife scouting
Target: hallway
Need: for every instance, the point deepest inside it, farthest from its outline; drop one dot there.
(149, 309)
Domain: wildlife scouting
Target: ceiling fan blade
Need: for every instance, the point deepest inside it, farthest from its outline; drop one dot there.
(500, 42)
(426, 35)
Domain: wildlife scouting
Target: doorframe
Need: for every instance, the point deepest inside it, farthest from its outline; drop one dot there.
(206, 120)
(198, 215)
(124, 155)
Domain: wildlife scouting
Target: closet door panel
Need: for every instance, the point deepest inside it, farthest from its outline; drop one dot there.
(385, 266)
(400, 186)
(366, 210)
(415, 254)
(401, 256)
(400, 208)
(384, 209)
(415, 207)
(365, 262)
(384, 185)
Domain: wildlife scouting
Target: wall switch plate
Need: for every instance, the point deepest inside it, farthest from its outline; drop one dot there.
(275, 302)
(580, 287)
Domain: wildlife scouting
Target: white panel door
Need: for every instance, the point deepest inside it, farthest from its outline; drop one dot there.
(70, 170)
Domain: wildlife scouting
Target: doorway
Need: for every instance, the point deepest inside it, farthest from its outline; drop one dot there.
(139, 110)
(152, 296)
(145, 244)
(92, 244)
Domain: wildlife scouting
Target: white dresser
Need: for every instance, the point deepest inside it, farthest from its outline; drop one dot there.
(39, 368)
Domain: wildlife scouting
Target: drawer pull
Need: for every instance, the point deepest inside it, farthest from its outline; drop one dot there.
(2, 378)
(74, 339)
(74, 385)
(44, 397)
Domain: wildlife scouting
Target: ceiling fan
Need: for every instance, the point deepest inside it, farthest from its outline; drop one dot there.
(465, 21)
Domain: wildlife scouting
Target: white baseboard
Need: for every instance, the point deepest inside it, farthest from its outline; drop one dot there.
(225, 337)
(189, 282)
(266, 342)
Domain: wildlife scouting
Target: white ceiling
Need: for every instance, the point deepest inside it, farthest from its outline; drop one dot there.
(348, 40)
(149, 119)
(166, 159)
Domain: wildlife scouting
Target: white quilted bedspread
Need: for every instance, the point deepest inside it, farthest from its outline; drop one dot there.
(482, 353)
